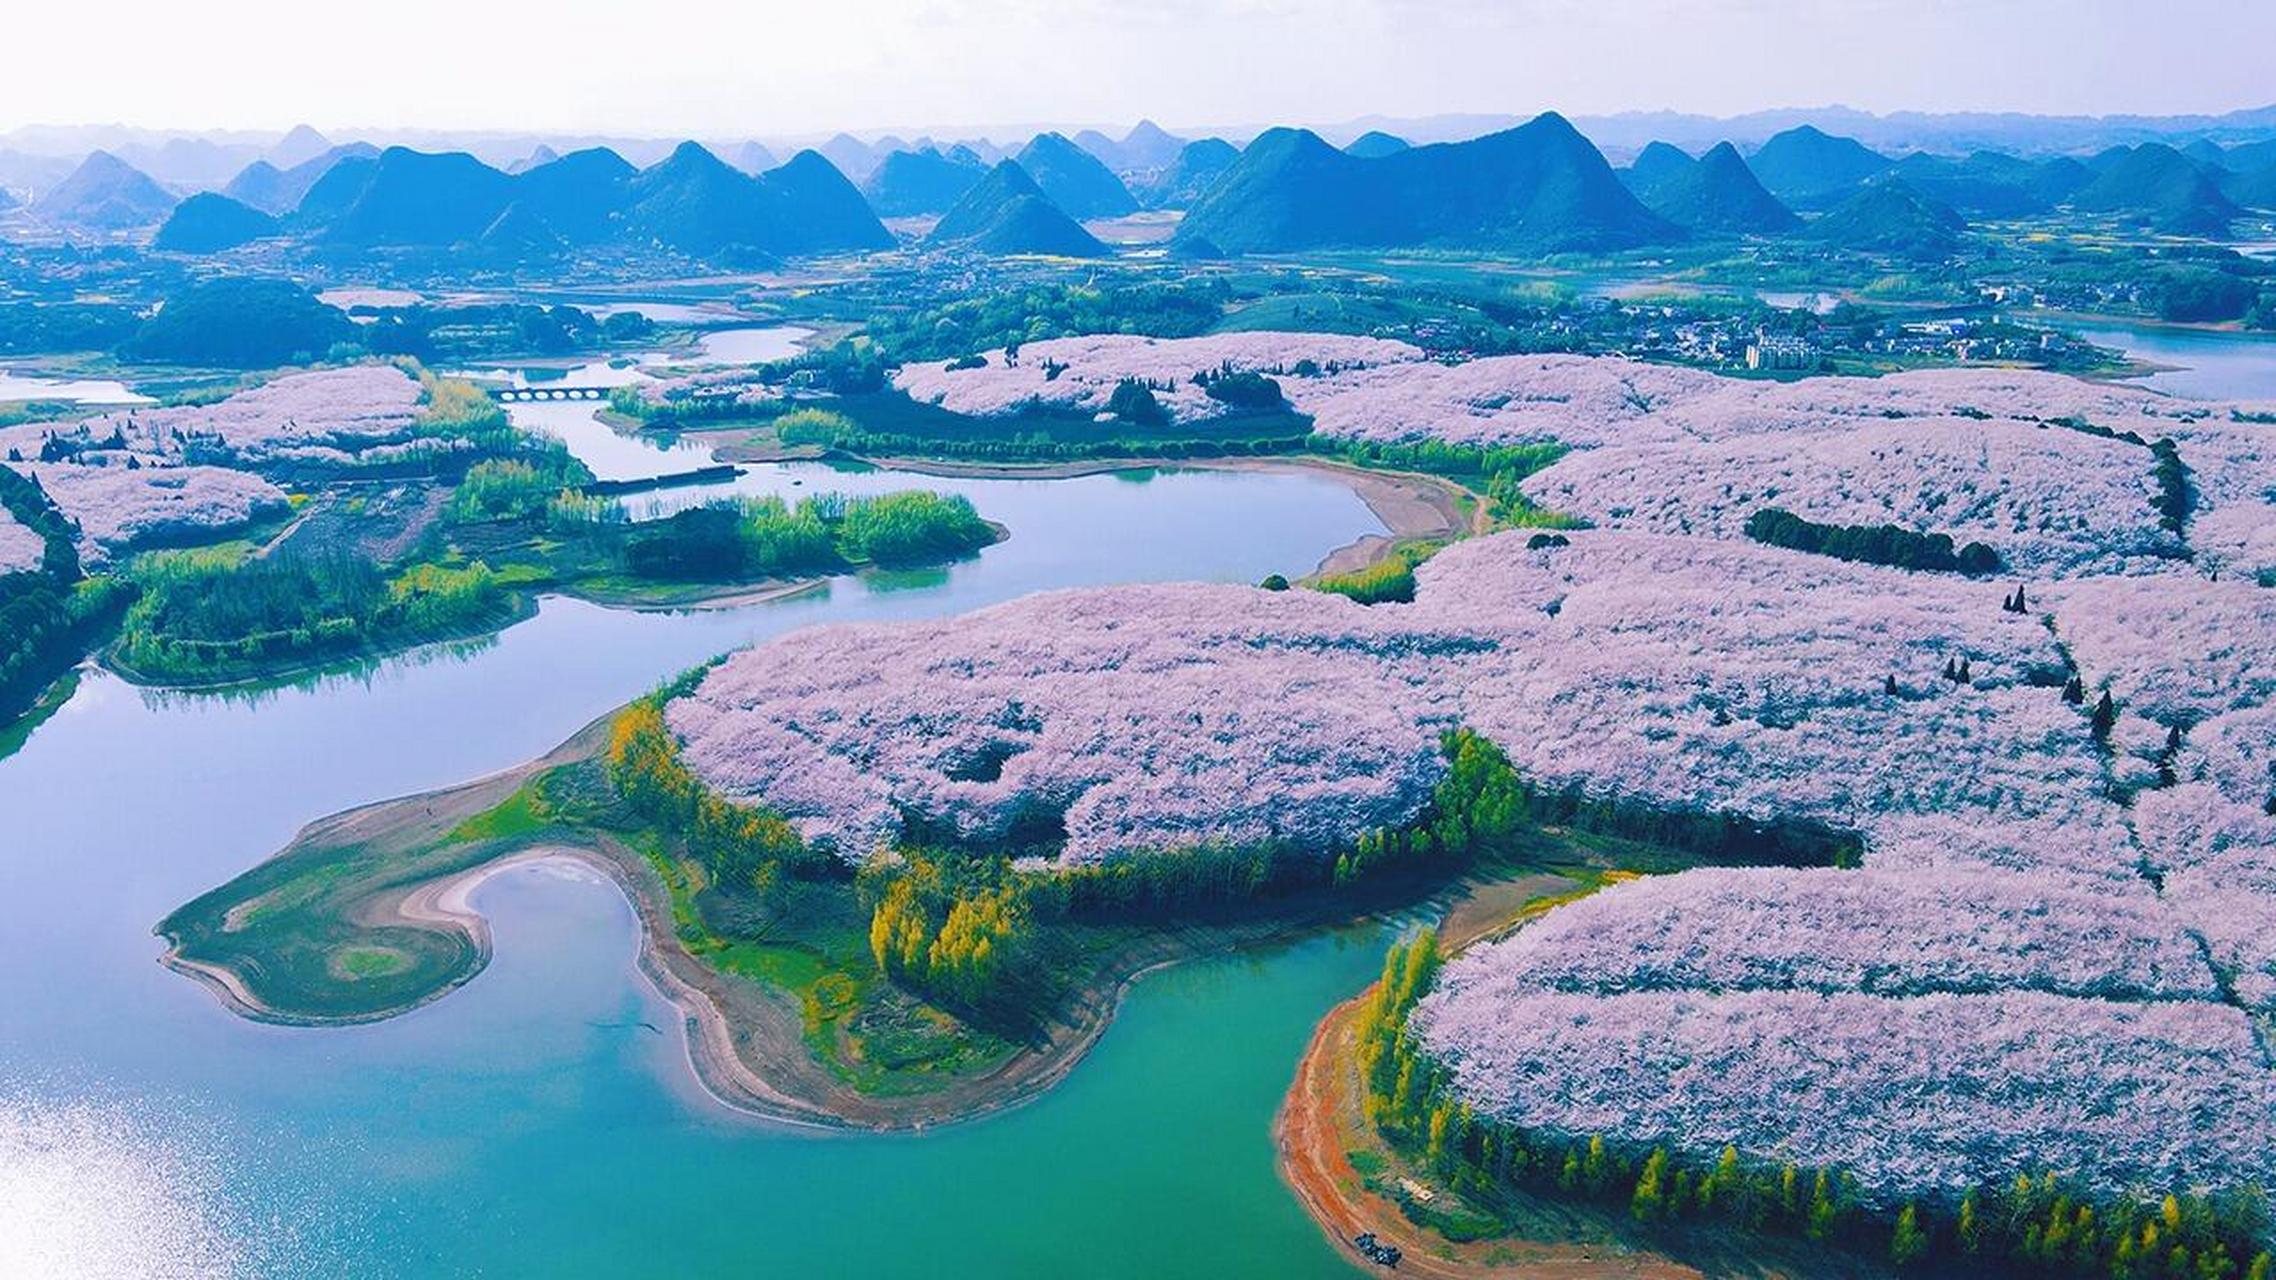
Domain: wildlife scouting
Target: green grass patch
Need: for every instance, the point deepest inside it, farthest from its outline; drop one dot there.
(522, 813)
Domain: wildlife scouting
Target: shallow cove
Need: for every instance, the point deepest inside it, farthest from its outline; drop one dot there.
(541, 1120)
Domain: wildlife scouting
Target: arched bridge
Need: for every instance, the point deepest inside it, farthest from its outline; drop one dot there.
(518, 395)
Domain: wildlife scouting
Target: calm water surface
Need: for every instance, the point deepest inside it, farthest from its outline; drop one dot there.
(2206, 366)
(542, 1121)
(18, 387)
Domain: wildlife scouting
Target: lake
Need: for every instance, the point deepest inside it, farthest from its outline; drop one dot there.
(2207, 365)
(16, 387)
(543, 1120)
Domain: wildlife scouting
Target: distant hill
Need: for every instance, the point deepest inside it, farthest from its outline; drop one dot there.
(753, 158)
(2255, 190)
(576, 197)
(264, 186)
(1006, 212)
(333, 191)
(815, 209)
(1808, 168)
(914, 183)
(240, 322)
(1148, 148)
(1718, 193)
(694, 202)
(209, 222)
(518, 234)
(257, 185)
(1198, 165)
(187, 163)
(1990, 185)
(2251, 157)
(105, 193)
(1076, 180)
(2161, 188)
(539, 156)
(2205, 151)
(1143, 152)
(1101, 148)
(421, 198)
(1889, 216)
(1540, 187)
(853, 157)
(1375, 144)
(298, 147)
(1657, 163)
(691, 201)
(986, 152)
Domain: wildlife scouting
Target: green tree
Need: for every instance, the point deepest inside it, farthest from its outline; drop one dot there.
(1649, 1203)
(1908, 1244)
(1824, 1213)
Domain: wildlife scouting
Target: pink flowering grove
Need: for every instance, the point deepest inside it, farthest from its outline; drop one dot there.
(117, 507)
(20, 548)
(324, 414)
(1089, 367)
(2056, 946)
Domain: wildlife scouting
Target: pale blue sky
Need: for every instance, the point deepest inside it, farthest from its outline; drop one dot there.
(722, 67)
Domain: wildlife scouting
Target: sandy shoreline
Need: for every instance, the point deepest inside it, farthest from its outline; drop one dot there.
(1321, 1122)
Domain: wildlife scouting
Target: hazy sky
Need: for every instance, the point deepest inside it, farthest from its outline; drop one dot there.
(732, 67)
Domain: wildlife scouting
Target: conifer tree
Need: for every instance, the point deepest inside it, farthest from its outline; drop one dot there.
(1908, 1244)
(1969, 1227)
(1823, 1212)
(1648, 1204)
(2105, 718)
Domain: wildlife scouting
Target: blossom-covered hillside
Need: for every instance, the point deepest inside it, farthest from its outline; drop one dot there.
(2050, 501)
(1903, 933)
(1587, 402)
(1670, 671)
(20, 548)
(1577, 400)
(1916, 1095)
(2026, 973)
(1080, 373)
(117, 507)
(182, 471)
(1140, 718)
(2065, 922)
(1726, 676)
(1931, 1030)
(2054, 473)
(325, 415)
(1925, 1032)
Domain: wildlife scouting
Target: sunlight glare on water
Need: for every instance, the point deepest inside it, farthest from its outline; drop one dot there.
(92, 1189)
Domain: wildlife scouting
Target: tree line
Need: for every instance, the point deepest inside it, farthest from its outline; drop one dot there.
(1886, 544)
(213, 615)
(48, 615)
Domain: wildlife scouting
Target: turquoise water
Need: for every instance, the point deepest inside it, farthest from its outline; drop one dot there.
(2206, 366)
(542, 1120)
